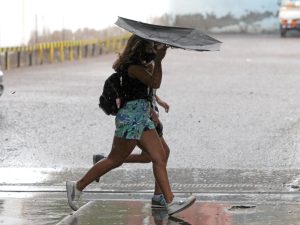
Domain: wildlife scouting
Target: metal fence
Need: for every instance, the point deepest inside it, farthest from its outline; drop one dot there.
(54, 52)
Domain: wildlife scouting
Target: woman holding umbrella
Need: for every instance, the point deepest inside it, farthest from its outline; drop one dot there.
(133, 124)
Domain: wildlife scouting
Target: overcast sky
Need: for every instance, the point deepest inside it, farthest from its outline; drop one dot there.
(222, 7)
(18, 17)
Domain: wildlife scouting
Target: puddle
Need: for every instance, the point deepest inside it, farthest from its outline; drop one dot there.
(242, 208)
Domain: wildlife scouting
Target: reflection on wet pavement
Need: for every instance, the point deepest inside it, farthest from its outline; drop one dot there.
(29, 211)
(138, 212)
(210, 213)
(49, 209)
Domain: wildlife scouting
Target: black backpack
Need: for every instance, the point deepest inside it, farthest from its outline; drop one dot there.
(110, 100)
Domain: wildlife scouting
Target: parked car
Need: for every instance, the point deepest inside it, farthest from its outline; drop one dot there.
(289, 16)
(1, 82)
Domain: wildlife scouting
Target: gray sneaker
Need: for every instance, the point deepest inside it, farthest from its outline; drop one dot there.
(179, 204)
(97, 158)
(73, 195)
(158, 203)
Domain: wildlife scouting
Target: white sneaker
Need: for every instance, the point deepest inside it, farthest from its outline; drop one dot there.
(73, 195)
(179, 204)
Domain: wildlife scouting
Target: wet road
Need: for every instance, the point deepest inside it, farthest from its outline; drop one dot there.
(234, 109)
(237, 108)
(233, 127)
(135, 209)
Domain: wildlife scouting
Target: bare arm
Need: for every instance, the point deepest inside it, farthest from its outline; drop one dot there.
(153, 79)
(162, 103)
(150, 67)
(154, 116)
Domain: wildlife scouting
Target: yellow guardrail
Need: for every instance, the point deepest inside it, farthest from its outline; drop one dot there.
(42, 53)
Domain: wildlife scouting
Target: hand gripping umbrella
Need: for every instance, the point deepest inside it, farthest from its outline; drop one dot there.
(176, 37)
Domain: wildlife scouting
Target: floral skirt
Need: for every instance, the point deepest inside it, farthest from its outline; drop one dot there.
(133, 119)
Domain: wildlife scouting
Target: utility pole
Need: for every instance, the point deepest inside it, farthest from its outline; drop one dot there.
(63, 28)
(36, 29)
(23, 22)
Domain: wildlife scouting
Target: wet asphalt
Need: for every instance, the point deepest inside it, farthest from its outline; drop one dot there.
(233, 130)
(135, 209)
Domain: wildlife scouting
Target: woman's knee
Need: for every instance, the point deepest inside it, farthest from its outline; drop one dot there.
(159, 157)
(160, 161)
(166, 148)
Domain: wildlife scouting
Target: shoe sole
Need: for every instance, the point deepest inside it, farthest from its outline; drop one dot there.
(95, 161)
(69, 186)
(158, 207)
(183, 208)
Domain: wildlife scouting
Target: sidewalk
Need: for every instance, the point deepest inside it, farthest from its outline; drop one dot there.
(43, 208)
(224, 197)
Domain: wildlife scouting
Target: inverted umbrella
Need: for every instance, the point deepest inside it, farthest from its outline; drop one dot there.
(177, 37)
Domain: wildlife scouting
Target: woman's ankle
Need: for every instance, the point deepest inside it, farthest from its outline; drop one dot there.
(169, 199)
(78, 186)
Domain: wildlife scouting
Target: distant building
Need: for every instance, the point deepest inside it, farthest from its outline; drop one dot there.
(249, 16)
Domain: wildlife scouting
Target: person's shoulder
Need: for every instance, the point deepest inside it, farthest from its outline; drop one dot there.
(124, 66)
(130, 63)
(136, 65)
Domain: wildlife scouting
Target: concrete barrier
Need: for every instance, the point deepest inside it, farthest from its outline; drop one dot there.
(53, 52)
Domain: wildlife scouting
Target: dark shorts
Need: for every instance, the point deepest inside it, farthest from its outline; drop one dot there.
(159, 128)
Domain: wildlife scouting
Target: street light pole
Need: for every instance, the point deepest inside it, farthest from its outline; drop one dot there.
(23, 22)
(63, 28)
(36, 29)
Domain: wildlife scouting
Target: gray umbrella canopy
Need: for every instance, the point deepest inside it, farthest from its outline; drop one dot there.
(177, 37)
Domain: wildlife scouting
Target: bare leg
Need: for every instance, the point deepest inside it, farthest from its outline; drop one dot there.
(157, 189)
(121, 149)
(143, 157)
(154, 147)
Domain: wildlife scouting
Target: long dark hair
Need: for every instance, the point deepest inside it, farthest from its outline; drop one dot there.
(133, 51)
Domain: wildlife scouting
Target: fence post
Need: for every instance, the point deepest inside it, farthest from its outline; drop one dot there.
(40, 54)
(71, 56)
(86, 49)
(30, 57)
(115, 43)
(51, 53)
(18, 58)
(79, 50)
(119, 44)
(93, 49)
(107, 45)
(100, 44)
(61, 52)
(6, 60)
